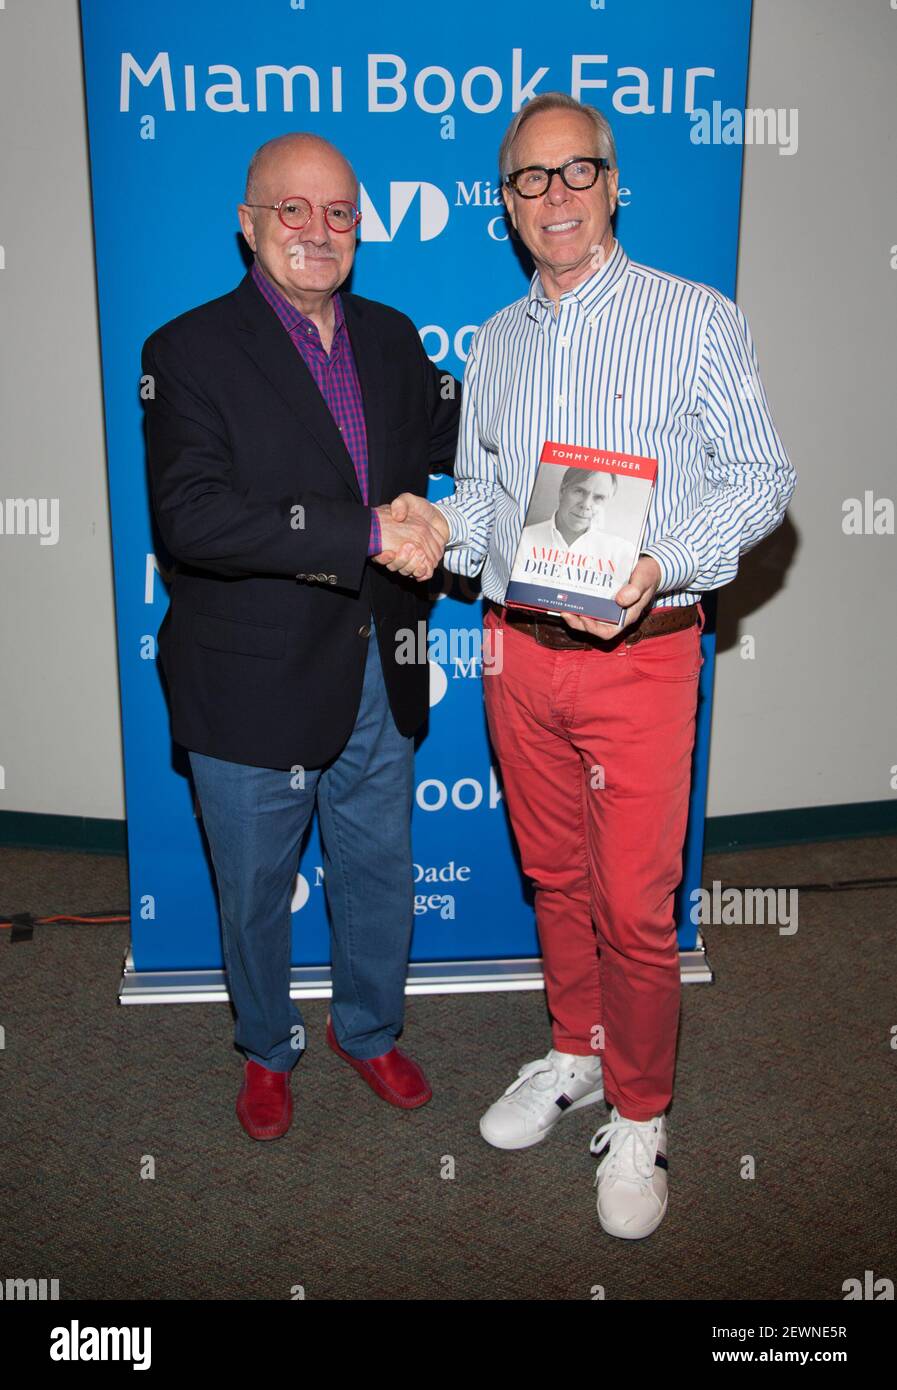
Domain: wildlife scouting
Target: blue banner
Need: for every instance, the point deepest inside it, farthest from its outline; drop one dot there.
(179, 96)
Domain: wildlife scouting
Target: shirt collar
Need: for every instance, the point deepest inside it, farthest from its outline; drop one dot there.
(591, 295)
(291, 317)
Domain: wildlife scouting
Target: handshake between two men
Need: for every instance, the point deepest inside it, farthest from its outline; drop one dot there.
(414, 535)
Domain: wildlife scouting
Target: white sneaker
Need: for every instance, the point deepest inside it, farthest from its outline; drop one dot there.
(632, 1176)
(543, 1092)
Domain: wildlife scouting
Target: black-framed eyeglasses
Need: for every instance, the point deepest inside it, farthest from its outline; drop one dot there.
(296, 213)
(577, 174)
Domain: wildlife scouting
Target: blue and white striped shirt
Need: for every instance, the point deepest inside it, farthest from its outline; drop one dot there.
(635, 361)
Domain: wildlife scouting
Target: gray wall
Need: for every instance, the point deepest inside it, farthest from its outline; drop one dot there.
(60, 740)
(809, 721)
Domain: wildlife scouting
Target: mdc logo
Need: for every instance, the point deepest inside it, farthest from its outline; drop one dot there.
(433, 211)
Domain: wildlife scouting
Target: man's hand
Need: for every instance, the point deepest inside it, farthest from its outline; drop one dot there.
(414, 533)
(634, 597)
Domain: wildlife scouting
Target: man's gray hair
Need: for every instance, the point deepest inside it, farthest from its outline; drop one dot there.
(605, 147)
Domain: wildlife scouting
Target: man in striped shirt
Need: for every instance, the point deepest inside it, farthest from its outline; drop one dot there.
(593, 727)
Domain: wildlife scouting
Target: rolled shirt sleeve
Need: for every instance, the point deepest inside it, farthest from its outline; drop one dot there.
(470, 510)
(748, 477)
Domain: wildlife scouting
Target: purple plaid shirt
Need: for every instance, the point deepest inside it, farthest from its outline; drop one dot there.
(336, 378)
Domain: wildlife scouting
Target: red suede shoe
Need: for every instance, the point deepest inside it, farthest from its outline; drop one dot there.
(265, 1102)
(392, 1076)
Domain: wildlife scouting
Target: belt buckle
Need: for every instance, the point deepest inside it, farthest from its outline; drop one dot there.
(542, 630)
(565, 638)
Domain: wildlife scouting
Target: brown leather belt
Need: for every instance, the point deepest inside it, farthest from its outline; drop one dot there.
(551, 631)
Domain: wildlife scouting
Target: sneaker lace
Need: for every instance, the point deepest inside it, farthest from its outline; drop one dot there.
(631, 1147)
(542, 1076)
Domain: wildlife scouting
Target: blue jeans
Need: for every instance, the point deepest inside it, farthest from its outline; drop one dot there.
(255, 819)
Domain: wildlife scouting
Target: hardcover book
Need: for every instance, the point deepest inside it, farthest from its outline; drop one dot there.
(583, 531)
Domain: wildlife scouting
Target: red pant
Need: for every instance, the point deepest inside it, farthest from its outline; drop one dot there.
(595, 754)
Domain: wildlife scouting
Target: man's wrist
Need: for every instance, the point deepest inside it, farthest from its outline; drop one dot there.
(457, 529)
(677, 567)
(440, 523)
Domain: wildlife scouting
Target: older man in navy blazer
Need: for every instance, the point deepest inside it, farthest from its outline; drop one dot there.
(284, 417)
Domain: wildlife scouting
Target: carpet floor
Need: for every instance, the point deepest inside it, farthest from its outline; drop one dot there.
(788, 1058)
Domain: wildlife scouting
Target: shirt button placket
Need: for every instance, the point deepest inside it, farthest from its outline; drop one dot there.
(561, 372)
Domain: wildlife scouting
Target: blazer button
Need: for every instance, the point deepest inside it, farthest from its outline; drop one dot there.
(364, 630)
(300, 576)
(331, 578)
(322, 578)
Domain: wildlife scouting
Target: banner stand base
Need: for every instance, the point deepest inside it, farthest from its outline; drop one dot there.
(313, 981)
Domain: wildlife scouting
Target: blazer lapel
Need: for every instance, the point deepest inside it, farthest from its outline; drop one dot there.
(267, 343)
(369, 363)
